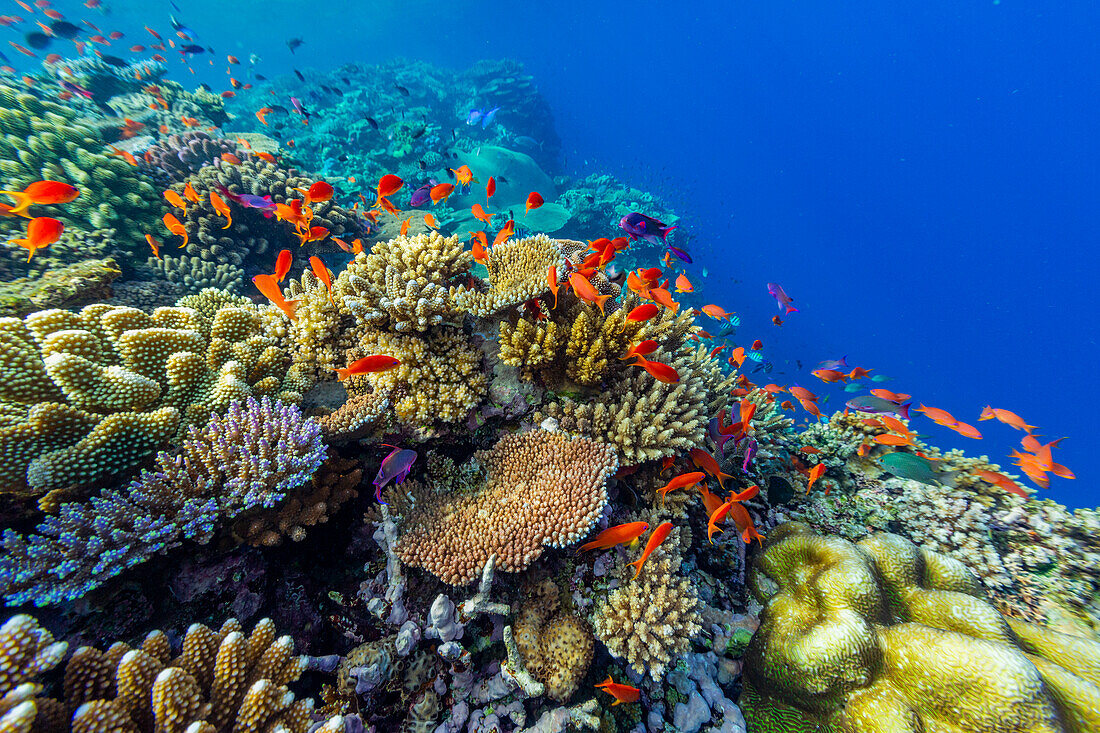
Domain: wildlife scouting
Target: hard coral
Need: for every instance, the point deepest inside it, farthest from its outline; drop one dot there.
(556, 645)
(885, 634)
(516, 273)
(540, 489)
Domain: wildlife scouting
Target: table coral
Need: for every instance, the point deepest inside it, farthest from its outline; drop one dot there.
(884, 635)
(516, 273)
(540, 489)
(101, 389)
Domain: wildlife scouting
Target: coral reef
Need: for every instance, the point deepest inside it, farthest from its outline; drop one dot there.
(540, 489)
(556, 645)
(855, 635)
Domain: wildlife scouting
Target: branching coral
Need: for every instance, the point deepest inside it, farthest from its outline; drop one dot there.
(650, 620)
(517, 273)
(94, 393)
(540, 489)
(241, 465)
(885, 634)
(26, 651)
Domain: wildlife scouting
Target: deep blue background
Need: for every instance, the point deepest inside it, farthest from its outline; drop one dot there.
(920, 176)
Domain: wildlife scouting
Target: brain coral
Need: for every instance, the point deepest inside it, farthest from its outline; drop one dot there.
(90, 394)
(555, 644)
(540, 489)
(883, 635)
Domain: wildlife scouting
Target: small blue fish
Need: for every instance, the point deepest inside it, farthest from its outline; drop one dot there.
(488, 117)
(853, 387)
(881, 378)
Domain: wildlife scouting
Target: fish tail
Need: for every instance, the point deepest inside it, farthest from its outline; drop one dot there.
(790, 309)
(666, 230)
(600, 300)
(904, 410)
(22, 203)
(637, 565)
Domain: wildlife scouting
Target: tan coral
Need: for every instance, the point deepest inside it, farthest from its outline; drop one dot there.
(517, 272)
(650, 620)
(541, 489)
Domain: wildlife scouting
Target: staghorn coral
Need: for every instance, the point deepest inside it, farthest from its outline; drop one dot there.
(642, 418)
(516, 273)
(241, 465)
(650, 620)
(884, 634)
(540, 489)
(44, 140)
(220, 681)
(94, 393)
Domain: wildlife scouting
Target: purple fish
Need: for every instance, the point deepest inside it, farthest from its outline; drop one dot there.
(421, 196)
(679, 253)
(750, 453)
(395, 467)
(474, 117)
(640, 226)
(76, 89)
(878, 406)
(714, 430)
(834, 363)
(781, 297)
(297, 104)
(264, 203)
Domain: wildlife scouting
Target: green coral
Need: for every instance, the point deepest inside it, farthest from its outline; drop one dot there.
(88, 395)
(45, 140)
(885, 636)
(73, 285)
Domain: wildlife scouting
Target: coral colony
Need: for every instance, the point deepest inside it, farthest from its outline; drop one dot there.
(224, 315)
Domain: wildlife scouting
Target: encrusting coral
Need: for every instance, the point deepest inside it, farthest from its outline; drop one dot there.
(885, 635)
(241, 465)
(540, 489)
(650, 620)
(90, 394)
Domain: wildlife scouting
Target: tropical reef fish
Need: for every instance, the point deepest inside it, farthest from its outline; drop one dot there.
(484, 115)
(655, 540)
(269, 288)
(877, 405)
(395, 467)
(910, 466)
(421, 196)
(534, 200)
(41, 192)
(683, 481)
(42, 231)
(617, 535)
(175, 227)
(294, 43)
(640, 226)
(282, 264)
(368, 365)
(1007, 417)
(621, 693)
(782, 298)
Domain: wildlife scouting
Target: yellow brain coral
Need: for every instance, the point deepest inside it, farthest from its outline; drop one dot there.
(884, 636)
(540, 489)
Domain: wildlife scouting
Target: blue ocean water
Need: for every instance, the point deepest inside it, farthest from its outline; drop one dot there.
(920, 177)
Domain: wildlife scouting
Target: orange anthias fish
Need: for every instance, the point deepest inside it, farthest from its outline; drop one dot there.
(664, 297)
(1007, 417)
(173, 224)
(683, 285)
(621, 693)
(936, 415)
(481, 254)
(534, 200)
(741, 518)
(505, 233)
(153, 245)
(222, 208)
(683, 481)
(967, 431)
(657, 370)
(441, 192)
(313, 234)
(830, 375)
(490, 188)
(175, 200)
(282, 264)
(617, 535)
(716, 312)
(641, 349)
(292, 213)
(267, 285)
(552, 283)
(319, 192)
(430, 221)
(388, 185)
(706, 461)
(815, 473)
(655, 540)
(886, 394)
(323, 275)
(190, 193)
(463, 174)
(1004, 482)
(405, 227)
(584, 290)
(859, 373)
(480, 214)
(40, 192)
(42, 231)
(261, 115)
(642, 313)
(368, 365)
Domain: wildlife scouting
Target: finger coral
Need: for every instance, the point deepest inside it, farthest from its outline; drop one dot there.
(241, 465)
(91, 394)
(540, 489)
(26, 651)
(517, 273)
(885, 634)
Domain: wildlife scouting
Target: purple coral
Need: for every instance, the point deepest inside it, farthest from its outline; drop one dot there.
(176, 157)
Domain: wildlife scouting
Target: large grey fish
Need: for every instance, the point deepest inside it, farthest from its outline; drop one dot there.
(878, 406)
